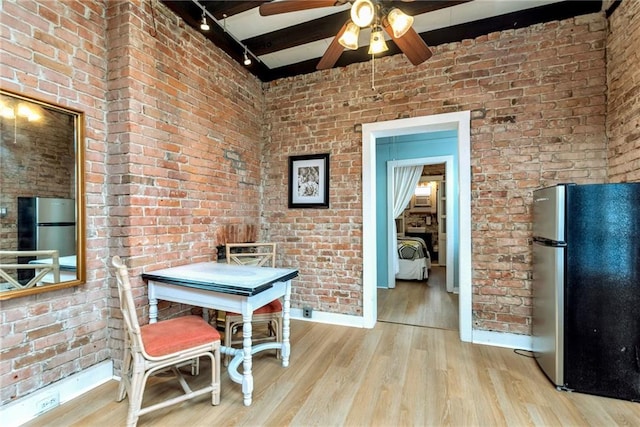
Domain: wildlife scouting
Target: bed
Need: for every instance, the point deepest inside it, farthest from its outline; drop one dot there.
(414, 259)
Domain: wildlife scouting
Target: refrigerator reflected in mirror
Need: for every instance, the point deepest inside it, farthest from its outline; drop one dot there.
(46, 223)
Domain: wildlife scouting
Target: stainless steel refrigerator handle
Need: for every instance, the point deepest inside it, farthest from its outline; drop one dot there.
(548, 242)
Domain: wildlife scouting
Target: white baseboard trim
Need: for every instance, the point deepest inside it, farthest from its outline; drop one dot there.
(329, 318)
(502, 339)
(493, 338)
(26, 408)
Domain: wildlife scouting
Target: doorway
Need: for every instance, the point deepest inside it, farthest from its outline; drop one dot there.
(448, 245)
(422, 292)
(459, 122)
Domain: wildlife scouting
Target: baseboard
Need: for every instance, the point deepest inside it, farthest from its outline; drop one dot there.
(29, 407)
(329, 318)
(502, 339)
(493, 338)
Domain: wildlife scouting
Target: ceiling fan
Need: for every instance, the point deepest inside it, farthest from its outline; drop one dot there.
(373, 14)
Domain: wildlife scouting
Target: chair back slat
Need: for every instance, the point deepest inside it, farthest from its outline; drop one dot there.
(40, 270)
(255, 254)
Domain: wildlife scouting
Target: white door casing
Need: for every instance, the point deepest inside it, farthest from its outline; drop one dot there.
(459, 121)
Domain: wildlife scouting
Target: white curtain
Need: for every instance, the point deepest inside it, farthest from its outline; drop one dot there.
(405, 180)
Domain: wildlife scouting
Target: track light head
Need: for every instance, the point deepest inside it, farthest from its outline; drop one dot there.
(204, 26)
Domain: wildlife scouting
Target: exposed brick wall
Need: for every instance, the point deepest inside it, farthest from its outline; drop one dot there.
(623, 104)
(543, 90)
(184, 132)
(172, 152)
(55, 51)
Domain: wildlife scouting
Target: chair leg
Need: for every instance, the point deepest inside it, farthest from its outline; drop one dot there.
(135, 395)
(135, 399)
(195, 366)
(228, 334)
(215, 377)
(278, 330)
(125, 376)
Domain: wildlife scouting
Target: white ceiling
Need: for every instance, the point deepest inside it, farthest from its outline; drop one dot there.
(249, 24)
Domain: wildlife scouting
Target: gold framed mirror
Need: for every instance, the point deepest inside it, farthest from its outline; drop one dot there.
(42, 208)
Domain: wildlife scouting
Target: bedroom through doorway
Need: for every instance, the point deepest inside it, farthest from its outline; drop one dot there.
(420, 296)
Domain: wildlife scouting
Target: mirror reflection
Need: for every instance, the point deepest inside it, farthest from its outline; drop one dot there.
(40, 196)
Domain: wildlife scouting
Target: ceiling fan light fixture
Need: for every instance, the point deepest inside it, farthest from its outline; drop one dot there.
(349, 39)
(399, 21)
(363, 12)
(377, 44)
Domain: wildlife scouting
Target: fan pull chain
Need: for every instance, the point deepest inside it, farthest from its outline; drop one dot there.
(373, 72)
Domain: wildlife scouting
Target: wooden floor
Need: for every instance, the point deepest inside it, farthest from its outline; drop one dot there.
(392, 375)
(420, 303)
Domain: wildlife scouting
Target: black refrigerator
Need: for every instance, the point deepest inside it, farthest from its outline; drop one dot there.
(586, 287)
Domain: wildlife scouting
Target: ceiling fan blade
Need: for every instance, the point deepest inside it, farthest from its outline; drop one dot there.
(284, 6)
(333, 52)
(411, 44)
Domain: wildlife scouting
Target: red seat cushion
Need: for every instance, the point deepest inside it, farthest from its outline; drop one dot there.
(174, 335)
(274, 306)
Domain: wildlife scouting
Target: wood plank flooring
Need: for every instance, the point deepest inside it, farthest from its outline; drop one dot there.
(392, 375)
(420, 303)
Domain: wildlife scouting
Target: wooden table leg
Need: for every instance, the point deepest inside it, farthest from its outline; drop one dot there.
(286, 329)
(247, 374)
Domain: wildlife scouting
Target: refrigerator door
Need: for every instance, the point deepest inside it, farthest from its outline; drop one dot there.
(548, 306)
(549, 214)
(60, 237)
(602, 319)
(55, 211)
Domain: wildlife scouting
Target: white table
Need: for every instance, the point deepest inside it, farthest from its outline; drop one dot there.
(235, 288)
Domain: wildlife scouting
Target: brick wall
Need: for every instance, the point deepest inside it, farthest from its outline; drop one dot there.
(623, 81)
(171, 156)
(172, 153)
(183, 146)
(55, 51)
(543, 91)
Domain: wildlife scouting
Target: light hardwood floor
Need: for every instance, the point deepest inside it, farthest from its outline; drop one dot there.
(392, 375)
(420, 303)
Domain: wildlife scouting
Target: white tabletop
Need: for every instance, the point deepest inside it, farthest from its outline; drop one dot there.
(65, 262)
(225, 278)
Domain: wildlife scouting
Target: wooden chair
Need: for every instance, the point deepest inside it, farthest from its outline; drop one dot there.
(40, 270)
(255, 254)
(160, 346)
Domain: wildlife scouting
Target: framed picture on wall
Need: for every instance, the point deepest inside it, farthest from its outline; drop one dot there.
(309, 181)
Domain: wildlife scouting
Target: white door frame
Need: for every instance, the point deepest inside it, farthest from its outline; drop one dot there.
(459, 121)
(448, 161)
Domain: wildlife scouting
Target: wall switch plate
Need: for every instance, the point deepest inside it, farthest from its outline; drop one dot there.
(307, 312)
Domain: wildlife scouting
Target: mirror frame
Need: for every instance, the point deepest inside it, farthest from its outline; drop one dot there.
(78, 119)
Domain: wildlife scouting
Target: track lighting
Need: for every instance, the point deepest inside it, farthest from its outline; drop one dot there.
(204, 26)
